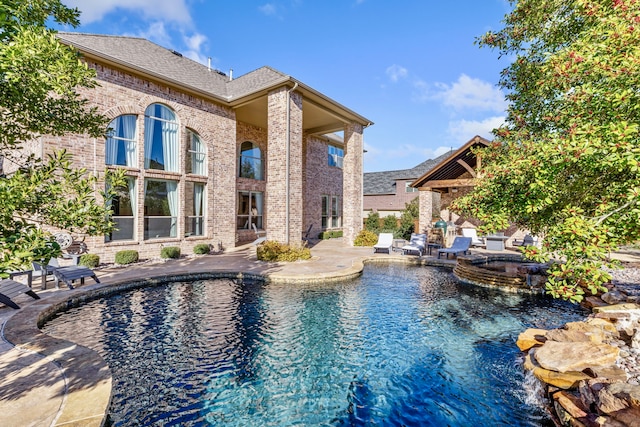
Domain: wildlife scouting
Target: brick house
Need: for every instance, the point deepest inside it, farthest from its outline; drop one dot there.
(210, 158)
(388, 192)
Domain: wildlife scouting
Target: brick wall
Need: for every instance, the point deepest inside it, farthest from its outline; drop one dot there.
(309, 174)
(121, 93)
(319, 179)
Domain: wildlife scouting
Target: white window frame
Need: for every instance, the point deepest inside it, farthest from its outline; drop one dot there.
(335, 156)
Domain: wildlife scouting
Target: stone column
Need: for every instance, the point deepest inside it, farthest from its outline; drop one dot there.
(429, 205)
(352, 182)
(284, 135)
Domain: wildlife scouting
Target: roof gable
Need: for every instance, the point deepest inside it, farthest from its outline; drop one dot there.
(453, 166)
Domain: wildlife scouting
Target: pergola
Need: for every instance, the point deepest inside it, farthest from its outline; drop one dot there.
(456, 171)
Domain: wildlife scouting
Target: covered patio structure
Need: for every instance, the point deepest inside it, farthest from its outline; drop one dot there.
(453, 177)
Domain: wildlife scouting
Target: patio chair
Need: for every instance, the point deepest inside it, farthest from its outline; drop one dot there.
(475, 240)
(44, 271)
(261, 235)
(460, 245)
(436, 236)
(10, 289)
(306, 235)
(417, 243)
(385, 242)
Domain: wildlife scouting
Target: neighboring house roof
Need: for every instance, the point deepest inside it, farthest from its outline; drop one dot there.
(376, 183)
(144, 57)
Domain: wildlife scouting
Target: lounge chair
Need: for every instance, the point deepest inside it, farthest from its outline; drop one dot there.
(418, 243)
(475, 240)
(385, 242)
(460, 246)
(10, 289)
(528, 240)
(68, 275)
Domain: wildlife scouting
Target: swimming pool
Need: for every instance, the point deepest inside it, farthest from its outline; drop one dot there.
(401, 345)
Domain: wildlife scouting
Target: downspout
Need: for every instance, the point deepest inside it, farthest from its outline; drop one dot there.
(287, 166)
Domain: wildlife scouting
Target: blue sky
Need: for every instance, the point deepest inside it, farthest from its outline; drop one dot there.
(410, 66)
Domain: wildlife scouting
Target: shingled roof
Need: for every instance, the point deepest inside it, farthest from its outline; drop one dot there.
(385, 182)
(145, 56)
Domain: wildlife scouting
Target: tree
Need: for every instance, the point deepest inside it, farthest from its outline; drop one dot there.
(566, 165)
(38, 96)
(372, 222)
(408, 218)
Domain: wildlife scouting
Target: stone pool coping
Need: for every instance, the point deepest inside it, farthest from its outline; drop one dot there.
(49, 381)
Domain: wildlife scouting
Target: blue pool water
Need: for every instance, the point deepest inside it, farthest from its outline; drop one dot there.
(400, 346)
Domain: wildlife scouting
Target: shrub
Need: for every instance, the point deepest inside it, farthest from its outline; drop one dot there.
(201, 249)
(365, 238)
(390, 224)
(127, 257)
(372, 223)
(275, 251)
(329, 234)
(89, 260)
(172, 252)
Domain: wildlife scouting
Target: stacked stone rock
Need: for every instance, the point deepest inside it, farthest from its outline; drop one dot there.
(591, 369)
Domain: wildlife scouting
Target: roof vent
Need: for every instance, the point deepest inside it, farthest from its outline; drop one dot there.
(175, 52)
(221, 73)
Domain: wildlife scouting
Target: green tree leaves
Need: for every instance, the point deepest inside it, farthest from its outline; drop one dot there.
(567, 163)
(39, 83)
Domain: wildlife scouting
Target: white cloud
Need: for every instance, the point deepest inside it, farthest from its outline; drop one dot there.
(396, 72)
(470, 93)
(195, 44)
(156, 32)
(268, 9)
(463, 130)
(169, 10)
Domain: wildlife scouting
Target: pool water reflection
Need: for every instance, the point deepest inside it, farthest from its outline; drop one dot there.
(401, 345)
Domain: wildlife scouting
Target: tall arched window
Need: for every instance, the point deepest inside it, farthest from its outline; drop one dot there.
(196, 154)
(250, 163)
(121, 147)
(161, 139)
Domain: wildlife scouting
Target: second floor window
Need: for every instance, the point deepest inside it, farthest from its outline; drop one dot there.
(250, 163)
(408, 188)
(336, 156)
(196, 154)
(121, 147)
(161, 139)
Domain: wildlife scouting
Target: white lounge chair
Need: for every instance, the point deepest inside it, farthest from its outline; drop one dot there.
(418, 243)
(460, 245)
(475, 240)
(385, 242)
